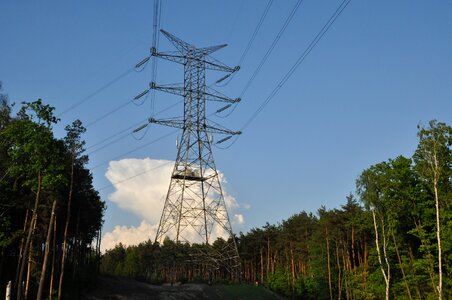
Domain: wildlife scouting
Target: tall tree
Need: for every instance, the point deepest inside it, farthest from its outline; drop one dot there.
(371, 189)
(5, 109)
(433, 159)
(75, 146)
(30, 147)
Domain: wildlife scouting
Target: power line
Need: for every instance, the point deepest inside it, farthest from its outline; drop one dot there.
(109, 144)
(256, 31)
(126, 130)
(116, 134)
(155, 45)
(236, 18)
(134, 176)
(303, 56)
(107, 114)
(135, 149)
(250, 42)
(289, 73)
(272, 46)
(269, 51)
(102, 88)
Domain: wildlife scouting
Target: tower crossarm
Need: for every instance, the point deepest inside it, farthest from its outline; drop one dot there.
(213, 127)
(210, 63)
(213, 64)
(169, 122)
(185, 47)
(214, 95)
(177, 123)
(173, 56)
(178, 89)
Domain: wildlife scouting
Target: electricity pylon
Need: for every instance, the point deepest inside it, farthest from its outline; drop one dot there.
(195, 208)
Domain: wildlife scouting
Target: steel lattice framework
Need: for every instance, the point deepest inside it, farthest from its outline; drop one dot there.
(195, 208)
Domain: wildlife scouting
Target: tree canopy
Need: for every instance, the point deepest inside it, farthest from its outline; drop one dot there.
(381, 243)
(36, 172)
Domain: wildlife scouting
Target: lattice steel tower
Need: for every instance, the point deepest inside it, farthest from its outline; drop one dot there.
(195, 208)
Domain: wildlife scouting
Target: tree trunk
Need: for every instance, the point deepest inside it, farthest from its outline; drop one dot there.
(53, 258)
(75, 256)
(268, 258)
(438, 237)
(401, 267)
(377, 244)
(292, 269)
(328, 258)
(366, 265)
(262, 267)
(66, 226)
(339, 278)
(46, 253)
(27, 242)
(353, 248)
(29, 264)
(19, 261)
(416, 287)
(429, 259)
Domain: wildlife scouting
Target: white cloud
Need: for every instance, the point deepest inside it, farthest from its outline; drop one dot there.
(238, 219)
(246, 206)
(128, 235)
(144, 196)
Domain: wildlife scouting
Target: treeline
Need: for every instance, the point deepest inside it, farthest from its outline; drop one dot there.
(393, 240)
(50, 214)
(167, 263)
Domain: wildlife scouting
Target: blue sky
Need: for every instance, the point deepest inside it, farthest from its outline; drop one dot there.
(383, 68)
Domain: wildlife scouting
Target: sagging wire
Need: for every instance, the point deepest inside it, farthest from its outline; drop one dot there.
(102, 88)
(141, 102)
(134, 133)
(135, 149)
(299, 61)
(248, 46)
(236, 137)
(155, 45)
(134, 176)
(139, 67)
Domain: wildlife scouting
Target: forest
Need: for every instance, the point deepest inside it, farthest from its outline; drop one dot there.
(50, 214)
(392, 239)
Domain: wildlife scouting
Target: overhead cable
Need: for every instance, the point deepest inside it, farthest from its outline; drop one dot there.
(302, 57)
(269, 51)
(155, 45)
(134, 176)
(256, 31)
(102, 88)
(289, 73)
(250, 42)
(126, 132)
(272, 46)
(135, 149)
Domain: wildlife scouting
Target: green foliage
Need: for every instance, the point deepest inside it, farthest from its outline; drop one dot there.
(279, 280)
(35, 169)
(333, 252)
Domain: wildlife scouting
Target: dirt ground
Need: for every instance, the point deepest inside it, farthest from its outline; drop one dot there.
(113, 288)
(122, 288)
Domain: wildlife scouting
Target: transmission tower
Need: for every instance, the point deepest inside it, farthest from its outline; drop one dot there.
(195, 208)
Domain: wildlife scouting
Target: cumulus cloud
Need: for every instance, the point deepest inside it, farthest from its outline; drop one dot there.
(144, 195)
(128, 235)
(238, 219)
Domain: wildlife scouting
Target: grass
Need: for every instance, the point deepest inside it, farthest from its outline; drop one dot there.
(244, 292)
